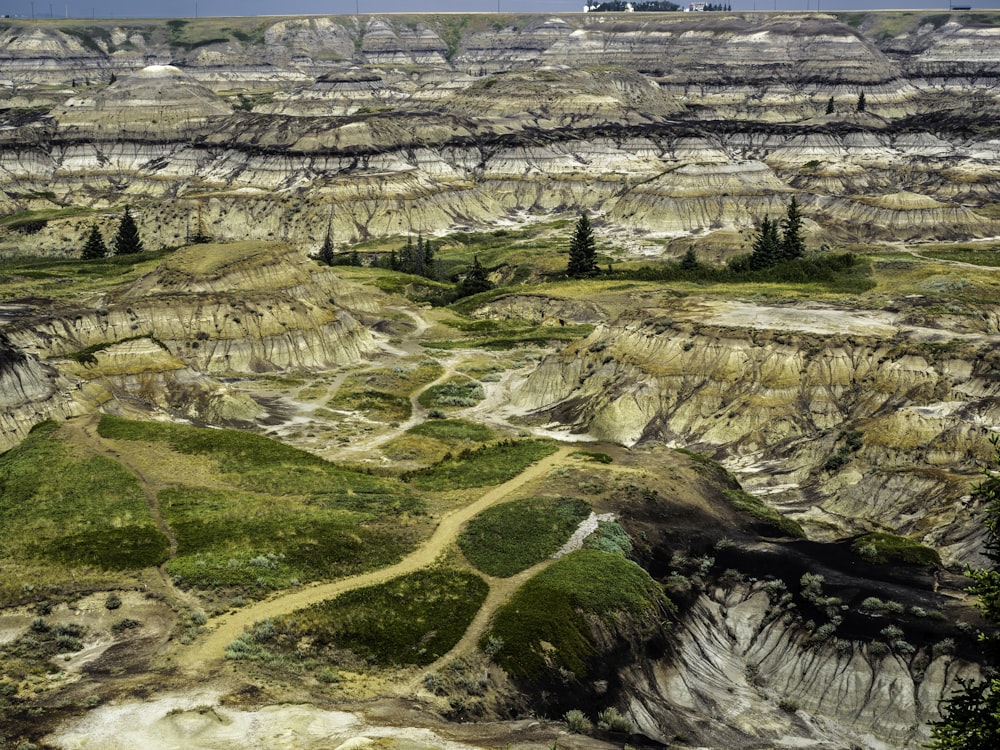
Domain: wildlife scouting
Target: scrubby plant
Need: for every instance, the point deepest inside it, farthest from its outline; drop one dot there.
(577, 722)
(612, 720)
(113, 601)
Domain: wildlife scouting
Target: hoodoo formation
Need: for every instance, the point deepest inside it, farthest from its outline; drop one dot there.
(345, 452)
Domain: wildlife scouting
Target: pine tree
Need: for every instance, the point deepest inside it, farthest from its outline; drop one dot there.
(971, 717)
(861, 102)
(829, 106)
(94, 247)
(127, 240)
(582, 250)
(428, 260)
(326, 254)
(475, 280)
(792, 244)
(766, 245)
(690, 260)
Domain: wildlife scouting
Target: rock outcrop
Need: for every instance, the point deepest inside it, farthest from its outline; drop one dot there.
(778, 392)
(661, 124)
(162, 343)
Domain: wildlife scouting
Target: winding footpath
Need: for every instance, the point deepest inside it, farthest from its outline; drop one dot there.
(207, 652)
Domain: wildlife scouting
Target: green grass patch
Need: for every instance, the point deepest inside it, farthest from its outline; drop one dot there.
(453, 431)
(384, 395)
(260, 464)
(241, 539)
(494, 336)
(886, 549)
(988, 258)
(511, 537)
(62, 278)
(457, 392)
(841, 274)
(61, 511)
(747, 503)
(411, 620)
(281, 516)
(544, 624)
(482, 467)
(595, 456)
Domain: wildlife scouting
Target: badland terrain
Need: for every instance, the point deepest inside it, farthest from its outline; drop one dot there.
(253, 499)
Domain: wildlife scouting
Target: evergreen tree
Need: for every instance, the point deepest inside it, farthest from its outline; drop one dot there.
(792, 244)
(861, 102)
(829, 106)
(94, 247)
(766, 245)
(355, 259)
(475, 280)
(326, 255)
(428, 260)
(690, 260)
(582, 250)
(127, 240)
(971, 717)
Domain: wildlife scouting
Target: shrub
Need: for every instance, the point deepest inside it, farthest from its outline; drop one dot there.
(611, 720)
(328, 676)
(113, 601)
(577, 722)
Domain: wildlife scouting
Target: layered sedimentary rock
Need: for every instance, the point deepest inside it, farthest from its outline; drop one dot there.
(666, 124)
(207, 311)
(778, 392)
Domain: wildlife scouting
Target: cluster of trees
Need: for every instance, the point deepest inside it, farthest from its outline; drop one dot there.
(859, 106)
(776, 242)
(126, 240)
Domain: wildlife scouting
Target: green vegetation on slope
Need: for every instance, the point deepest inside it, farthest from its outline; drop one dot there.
(413, 619)
(744, 501)
(384, 395)
(885, 548)
(511, 537)
(231, 538)
(453, 431)
(63, 513)
(482, 467)
(457, 392)
(260, 464)
(545, 622)
(279, 516)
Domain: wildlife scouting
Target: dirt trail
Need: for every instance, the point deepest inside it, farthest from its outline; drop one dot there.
(83, 431)
(211, 649)
(501, 590)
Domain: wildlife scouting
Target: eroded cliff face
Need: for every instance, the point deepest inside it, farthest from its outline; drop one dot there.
(163, 342)
(743, 673)
(659, 124)
(844, 419)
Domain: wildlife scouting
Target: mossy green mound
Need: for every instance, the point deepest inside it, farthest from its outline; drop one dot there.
(545, 624)
(508, 538)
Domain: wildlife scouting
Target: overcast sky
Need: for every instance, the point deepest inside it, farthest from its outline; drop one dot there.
(188, 8)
